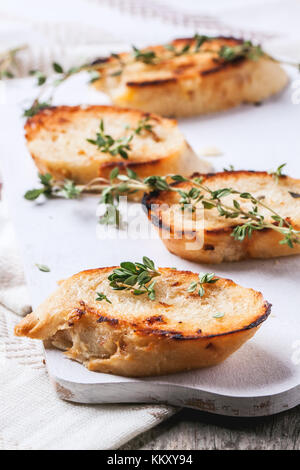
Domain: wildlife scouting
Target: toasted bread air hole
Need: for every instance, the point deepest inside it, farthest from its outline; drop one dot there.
(77, 340)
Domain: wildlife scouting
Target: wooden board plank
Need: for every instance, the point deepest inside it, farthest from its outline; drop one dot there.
(192, 430)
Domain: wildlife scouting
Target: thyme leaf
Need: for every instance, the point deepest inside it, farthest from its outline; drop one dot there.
(100, 297)
(35, 108)
(294, 195)
(230, 168)
(147, 56)
(46, 189)
(48, 85)
(70, 190)
(43, 268)
(278, 172)
(8, 62)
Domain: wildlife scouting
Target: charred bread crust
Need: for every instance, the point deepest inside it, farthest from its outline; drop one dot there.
(218, 244)
(165, 337)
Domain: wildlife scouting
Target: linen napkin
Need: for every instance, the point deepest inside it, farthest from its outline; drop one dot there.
(13, 292)
(33, 418)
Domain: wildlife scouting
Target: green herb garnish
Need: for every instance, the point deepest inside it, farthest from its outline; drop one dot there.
(148, 57)
(48, 85)
(188, 48)
(8, 62)
(278, 172)
(107, 144)
(136, 278)
(196, 194)
(100, 297)
(35, 108)
(207, 278)
(230, 168)
(43, 268)
(200, 39)
(41, 77)
(70, 190)
(46, 189)
(246, 50)
(50, 188)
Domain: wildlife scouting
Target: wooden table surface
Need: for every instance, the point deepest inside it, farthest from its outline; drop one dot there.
(195, 430)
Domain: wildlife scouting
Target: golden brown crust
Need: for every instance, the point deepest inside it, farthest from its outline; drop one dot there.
(142, 327)
(58, 115)
(57, 140)
(215, 241)
(139, 337)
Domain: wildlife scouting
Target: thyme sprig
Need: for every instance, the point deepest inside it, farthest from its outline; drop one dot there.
(46, 189)
(207, 278)
(149, 57)
(245, 50)
(229, 169)
(100, 297)
(43, 268)
(146, 56)
(51, 188)
(227, 53)
(107, 144)
(48, 85)
(137, 278)
(8, 62)
(278, 172)
(190, 198)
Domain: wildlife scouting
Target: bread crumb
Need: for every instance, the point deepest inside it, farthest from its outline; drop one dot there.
(210, 152)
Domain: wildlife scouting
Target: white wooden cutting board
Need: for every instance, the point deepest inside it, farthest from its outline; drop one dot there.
(263, 377)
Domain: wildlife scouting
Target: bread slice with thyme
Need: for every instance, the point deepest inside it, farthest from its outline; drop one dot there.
(229, 216)
(184, 321)
(83, 143)
(190, 76)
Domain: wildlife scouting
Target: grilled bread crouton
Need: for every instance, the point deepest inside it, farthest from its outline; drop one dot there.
(207, 237)
(57, 139)
(135, 336)
(185, 80)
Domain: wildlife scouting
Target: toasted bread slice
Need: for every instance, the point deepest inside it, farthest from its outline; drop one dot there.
(134, 336)
(210, 239)
(189, 84)
(57, 140)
